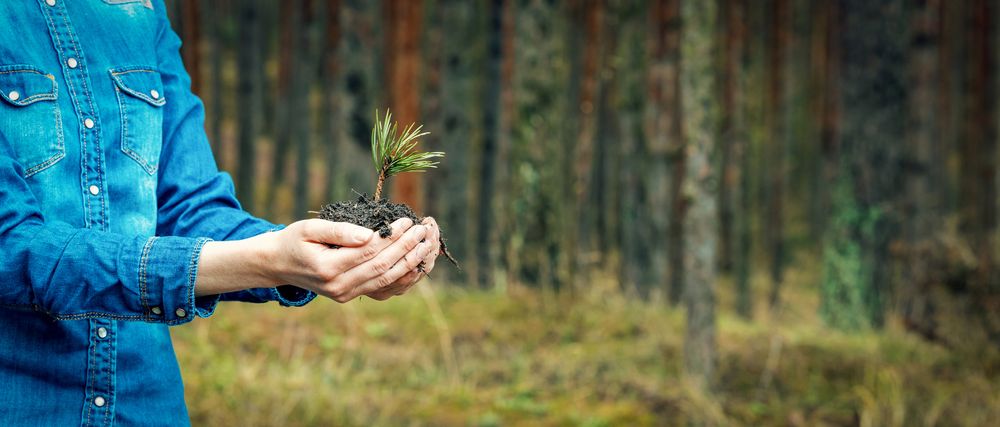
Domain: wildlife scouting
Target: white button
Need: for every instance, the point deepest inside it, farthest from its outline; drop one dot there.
(50, 2)
(156, 310)
(99, 401)
(13, 95)
(71, 62)
(94, 190)
(88, 123)
(154, 94)
(180, 312)
(102, 332)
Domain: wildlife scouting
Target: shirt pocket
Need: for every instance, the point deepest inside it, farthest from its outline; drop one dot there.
(140, 101)
(29, 117)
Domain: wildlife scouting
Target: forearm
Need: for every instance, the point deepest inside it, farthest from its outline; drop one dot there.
(233, 266)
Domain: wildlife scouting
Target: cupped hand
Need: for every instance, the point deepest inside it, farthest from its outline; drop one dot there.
(306, 254)
(413, 276)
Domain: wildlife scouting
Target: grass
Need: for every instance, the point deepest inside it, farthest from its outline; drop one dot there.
(479, 358)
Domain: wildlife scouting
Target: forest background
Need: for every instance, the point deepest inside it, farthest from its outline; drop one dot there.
(723, 212)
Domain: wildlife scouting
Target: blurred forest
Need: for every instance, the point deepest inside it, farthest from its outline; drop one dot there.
(733, 162)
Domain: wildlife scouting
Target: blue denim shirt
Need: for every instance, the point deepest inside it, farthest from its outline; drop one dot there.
(108, 191)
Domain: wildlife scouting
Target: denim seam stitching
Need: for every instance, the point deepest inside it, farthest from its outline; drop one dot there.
(143, 286)
(60, 146)
(89, 99)
(54, 33)
(192, 274)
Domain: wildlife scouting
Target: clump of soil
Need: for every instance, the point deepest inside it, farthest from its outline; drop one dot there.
(377, 215)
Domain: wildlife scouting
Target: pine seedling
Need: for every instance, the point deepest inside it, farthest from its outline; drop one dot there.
(395, 152)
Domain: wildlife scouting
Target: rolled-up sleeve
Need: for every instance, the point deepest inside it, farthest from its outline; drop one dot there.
(194, 198)
(73, 273)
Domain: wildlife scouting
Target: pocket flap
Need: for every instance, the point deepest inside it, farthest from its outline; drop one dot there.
(142, 83)
(22, 85)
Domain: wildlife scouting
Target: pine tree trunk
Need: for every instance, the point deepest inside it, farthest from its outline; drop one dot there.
(700, 189)
(456, 93)
(664, 154)
(856, 258)
(332, 122)
(920, 209)
(403, 19)
(248, 109)
(978, 155)
(734, 195)
(485, 246)
(774, 162)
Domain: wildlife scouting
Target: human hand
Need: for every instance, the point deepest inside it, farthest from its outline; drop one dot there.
(403, 284)
(301, 255)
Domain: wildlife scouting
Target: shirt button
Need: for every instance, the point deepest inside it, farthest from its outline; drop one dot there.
(13, 95)
(50, 2)
(102, 333)
(180, 312)
(71, 62)
(99, 401)
(156, 311)
(154, 94)
(94, 190)
(89, 123)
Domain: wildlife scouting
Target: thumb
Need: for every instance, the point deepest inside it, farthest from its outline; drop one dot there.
(336, 233)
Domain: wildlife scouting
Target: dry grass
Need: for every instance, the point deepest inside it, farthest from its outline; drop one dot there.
(596, 359)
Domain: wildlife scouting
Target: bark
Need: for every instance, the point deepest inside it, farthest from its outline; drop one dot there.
(978, 146)
(920, 210)
(485, 246)
(191, 34)
(978, 156)
(588, 15)
(856, 257)
(212, 19)
(734, 194)
(778, 33)
(700, 190)
(332, 122)
(289, 73)
(248, 109)
(665, 151)
(403, 19)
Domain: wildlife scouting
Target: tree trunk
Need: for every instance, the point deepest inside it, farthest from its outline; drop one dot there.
(856, 257)
(332, 140)
(774, 164)
(403, 20)
(248, 109)
(978, 155)
(700, 189)
(734, 194)
(485, 247)
(191, 34)
(665, 207)
(212, 18)
(921, 214)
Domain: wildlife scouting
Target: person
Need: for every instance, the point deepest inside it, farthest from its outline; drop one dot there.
(115, 222)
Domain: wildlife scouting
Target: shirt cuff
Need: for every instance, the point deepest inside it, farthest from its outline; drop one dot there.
(167, 292)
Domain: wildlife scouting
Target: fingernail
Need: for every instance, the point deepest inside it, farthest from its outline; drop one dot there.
(402, 223)
(425, 248)
(363, 235)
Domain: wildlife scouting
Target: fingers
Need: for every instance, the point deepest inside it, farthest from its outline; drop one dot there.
(386, 258)
(435, 240)
(398, 287)
(335, 233)
(409, 262)
(345, 259)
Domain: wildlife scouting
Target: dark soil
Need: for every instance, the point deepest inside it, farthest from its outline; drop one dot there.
(378, 215)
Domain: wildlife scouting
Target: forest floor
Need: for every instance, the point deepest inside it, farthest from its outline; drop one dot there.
(517, 357)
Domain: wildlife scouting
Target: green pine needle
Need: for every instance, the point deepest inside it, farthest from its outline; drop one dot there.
(394, 152)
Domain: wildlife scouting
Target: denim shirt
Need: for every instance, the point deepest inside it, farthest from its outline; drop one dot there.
(108, 191)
